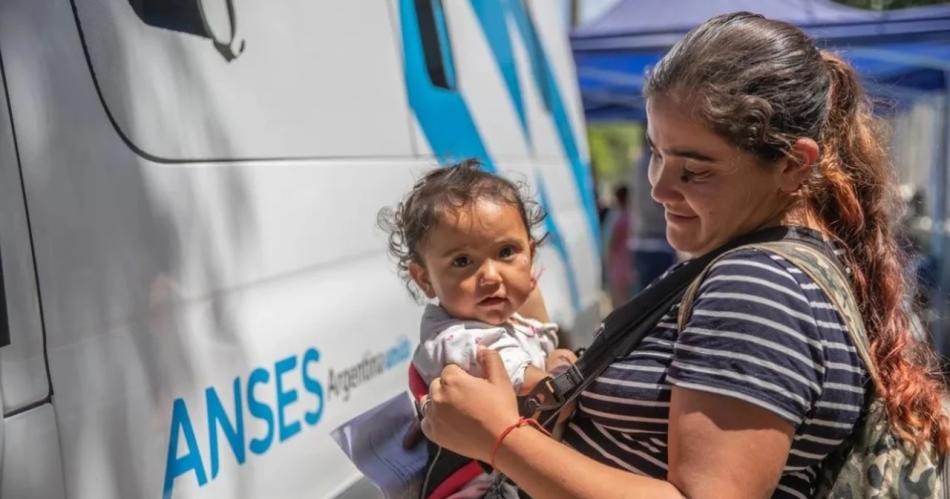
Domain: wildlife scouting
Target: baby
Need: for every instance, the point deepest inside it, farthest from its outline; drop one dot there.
(463, 236)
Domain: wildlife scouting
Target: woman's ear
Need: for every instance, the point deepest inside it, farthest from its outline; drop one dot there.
(799, 163)
(420, 276)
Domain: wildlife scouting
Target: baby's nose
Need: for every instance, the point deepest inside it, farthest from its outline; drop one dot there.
(489, 274)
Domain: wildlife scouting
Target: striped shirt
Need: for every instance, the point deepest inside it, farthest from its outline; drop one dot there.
(760, 331)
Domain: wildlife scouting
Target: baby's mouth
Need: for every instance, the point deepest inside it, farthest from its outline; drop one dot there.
(493, 300)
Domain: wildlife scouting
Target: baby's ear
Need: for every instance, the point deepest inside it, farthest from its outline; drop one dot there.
(421, 277)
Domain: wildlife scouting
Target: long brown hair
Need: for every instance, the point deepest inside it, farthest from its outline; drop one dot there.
(762, 84)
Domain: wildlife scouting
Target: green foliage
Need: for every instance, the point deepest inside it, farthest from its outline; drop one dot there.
(613, 148)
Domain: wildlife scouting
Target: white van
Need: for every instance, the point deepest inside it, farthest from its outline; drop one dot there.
(194, 288)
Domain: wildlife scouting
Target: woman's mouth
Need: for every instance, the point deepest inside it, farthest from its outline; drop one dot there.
(674, 218)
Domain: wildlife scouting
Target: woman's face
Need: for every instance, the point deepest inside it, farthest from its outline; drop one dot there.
(711, 190)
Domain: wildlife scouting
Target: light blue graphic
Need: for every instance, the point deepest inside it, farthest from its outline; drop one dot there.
(230, 421)
(555, 239)
(234, 432)
(549, 89)
(174, 465)
(265, 395)
(494, 24)
(442, 113)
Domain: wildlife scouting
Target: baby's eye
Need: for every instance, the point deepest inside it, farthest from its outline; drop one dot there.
(461, 261)
(507, 252)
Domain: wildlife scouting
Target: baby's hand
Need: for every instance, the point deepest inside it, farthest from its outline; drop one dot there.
(558, 358)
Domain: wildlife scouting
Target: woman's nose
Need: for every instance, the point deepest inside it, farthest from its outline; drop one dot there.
(664, 184)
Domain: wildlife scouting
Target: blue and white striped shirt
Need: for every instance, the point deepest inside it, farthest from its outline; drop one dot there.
(760, 331)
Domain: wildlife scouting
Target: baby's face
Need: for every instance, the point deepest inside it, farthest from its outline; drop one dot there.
(477, 261)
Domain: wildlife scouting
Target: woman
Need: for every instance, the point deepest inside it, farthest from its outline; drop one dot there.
(751, 126)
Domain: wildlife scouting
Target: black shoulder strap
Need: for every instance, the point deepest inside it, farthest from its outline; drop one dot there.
(624, 328)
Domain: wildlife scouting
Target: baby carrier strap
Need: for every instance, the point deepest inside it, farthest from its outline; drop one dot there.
(625, 327)
(417, 386)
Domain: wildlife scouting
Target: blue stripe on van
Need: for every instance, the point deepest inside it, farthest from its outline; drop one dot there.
(442, 113)
(579, 167)
(555, 239)
(495, 25)
(449, 127)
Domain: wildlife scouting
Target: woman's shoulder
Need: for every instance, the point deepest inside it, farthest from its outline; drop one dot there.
(757, 270)
(761, 330)
(762, 262)
(756, 285)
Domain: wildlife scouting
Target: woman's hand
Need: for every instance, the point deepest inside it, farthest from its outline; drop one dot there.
(466, 414)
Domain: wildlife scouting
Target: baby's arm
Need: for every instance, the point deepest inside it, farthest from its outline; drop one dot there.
(559, 358)
(554, 364)
(532, 376)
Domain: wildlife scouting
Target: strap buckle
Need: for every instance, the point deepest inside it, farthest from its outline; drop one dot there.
(552, 392)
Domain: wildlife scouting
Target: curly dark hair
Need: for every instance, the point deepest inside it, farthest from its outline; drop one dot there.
(444, 190)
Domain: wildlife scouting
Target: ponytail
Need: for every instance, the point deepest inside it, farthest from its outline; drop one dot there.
(853, 198)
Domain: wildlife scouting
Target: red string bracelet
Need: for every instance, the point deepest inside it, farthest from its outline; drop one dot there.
(522, 421)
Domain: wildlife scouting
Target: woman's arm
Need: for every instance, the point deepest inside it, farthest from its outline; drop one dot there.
(719, 446)
(723, 447)
(545, 468)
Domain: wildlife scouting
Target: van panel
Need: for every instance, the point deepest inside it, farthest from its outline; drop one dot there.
(23, 379)
(174, 96)
(209, 322)
(166, 283)
(489, 101)
(30, 456)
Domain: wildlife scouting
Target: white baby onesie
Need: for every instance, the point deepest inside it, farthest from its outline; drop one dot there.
(446, 340)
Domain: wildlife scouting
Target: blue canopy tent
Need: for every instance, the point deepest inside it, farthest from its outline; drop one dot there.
(901, 55)
(908, 49)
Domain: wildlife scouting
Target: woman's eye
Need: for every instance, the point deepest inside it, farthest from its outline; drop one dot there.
(460, 261)
(686, 175)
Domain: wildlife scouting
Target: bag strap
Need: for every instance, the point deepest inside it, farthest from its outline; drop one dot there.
(826, 272)
(624, 328)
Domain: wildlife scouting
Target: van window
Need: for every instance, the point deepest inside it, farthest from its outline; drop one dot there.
(435, 43)
(197, 80)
